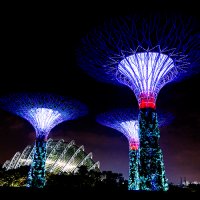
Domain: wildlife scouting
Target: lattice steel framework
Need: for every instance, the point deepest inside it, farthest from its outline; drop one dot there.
(56, 159)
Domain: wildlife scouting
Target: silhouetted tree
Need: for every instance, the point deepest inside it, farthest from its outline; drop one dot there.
(14, 177)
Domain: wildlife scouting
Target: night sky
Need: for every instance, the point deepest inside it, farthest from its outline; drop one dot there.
(38, 44)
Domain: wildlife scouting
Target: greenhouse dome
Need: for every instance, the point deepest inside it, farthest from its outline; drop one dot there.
(61, 157)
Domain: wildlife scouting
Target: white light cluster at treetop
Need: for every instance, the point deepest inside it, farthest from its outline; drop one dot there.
(146, 73)
(44, 119)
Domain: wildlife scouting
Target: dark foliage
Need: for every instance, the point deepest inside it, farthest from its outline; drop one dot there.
(14, 181)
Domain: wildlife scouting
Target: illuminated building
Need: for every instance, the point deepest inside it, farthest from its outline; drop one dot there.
(60, 157)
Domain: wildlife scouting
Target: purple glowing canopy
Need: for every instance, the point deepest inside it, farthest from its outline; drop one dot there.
(43, 110)
(125, 120)
(147, 72)
(142, 52)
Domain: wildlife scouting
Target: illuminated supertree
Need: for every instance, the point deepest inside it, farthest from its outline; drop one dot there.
(44, 112)
(126, 122)
(144, 53)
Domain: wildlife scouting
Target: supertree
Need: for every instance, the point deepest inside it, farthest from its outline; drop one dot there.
(144, 53)
(126, 122)
(44, 111)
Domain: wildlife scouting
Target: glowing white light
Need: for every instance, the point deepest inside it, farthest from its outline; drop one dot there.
(44, 119)
(69, 168)
(130, 129)
(146, 72)
(59, 163)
